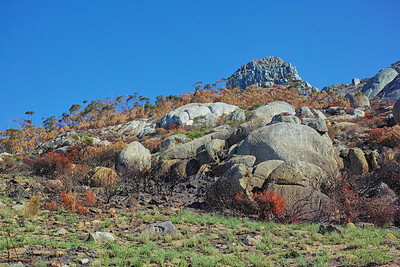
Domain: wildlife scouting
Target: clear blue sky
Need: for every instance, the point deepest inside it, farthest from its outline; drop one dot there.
(57, 53)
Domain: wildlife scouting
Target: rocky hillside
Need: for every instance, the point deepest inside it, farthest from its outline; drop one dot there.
(385, 85)
(267, 154)
(265, 72)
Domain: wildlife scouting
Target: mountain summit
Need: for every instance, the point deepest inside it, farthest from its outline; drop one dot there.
(264, 72)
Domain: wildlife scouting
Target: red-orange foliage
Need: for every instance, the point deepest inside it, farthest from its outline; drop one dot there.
(269, 204)
(50, 164)
(51, 206)
(386, 136)
(69, 202)
(153, 145)
(90, 198)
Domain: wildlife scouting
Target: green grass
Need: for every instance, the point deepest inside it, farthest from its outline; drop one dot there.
(212, 240)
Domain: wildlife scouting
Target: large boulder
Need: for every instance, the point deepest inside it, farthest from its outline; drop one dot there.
(269, 110)
(358, 100)
(104, 177)
(302, 203)
(358, 162)
(396, 112)
(247, 160)
(379, 81)
(238, 115)
(290, 142)
(185, 115)
(134, 157)
(299, 173)
(237, 180)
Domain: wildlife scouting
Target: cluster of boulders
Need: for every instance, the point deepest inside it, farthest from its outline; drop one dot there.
(277, 149)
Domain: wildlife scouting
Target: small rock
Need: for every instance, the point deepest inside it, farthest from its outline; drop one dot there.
(61, 231)
(329, 228)
(85, 261)
(18, 207)
(390, 236)
(351, 225)
(365, 224)
(19, 264)
(164, 228)
(251, 241)
(101, 237)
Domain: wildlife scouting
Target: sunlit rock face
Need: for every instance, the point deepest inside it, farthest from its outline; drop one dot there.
(264, 72)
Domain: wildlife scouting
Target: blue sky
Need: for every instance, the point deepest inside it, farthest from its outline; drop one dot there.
(57, 53)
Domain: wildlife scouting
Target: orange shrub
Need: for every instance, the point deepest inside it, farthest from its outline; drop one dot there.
(90, 198)
(269, 204)
(51, 206)
(386, 136)
(69, 202)
(50, 164)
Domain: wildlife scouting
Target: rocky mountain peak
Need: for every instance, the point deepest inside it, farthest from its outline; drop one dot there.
(264, 72)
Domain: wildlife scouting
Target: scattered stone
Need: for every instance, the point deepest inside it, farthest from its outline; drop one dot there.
(101, 237)
(355, 81)
(390, 236)
(164, 228)
(61, 231)
(18, 207)
(173, 140)
(329, 228)
(238, 115)
(305, 112)
(365, 224)
(85, 261)
(286, 119)
(251, 241)
(18, 264)
(317, 124)
(351, 225)
(358, 113)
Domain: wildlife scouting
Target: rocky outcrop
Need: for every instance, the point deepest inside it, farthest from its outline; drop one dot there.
(265, 72)
(134, 158)
(379, 81)
(186, 114)
(391, 92)
(290, 142)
